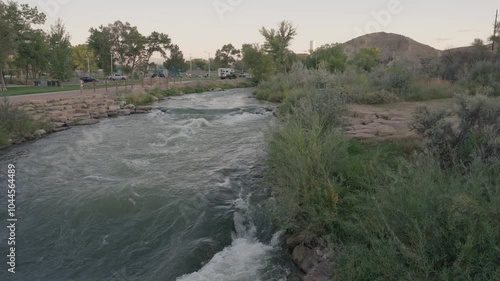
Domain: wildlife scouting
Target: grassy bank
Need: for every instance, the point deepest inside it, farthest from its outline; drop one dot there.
(392, 210)
(200, 87)
(16, 124)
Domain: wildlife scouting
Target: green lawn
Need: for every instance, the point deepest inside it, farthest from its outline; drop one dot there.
(28, 90)
(18, 91)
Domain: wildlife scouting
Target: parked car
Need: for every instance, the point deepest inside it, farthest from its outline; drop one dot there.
(87, 79)
(117, 77)
(161, 75)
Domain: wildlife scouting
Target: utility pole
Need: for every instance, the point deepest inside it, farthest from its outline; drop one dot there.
(495, 27)
(209, 66)
(111, 73)
(88, 64)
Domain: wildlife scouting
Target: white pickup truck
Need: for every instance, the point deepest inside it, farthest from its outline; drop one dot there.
(117, 77)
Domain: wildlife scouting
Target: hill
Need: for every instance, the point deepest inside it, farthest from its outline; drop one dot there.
(392, 46)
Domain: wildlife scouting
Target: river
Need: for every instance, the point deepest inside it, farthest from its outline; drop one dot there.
(176, 194)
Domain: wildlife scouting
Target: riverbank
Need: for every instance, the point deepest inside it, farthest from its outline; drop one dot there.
(27, 118)
(383, 206)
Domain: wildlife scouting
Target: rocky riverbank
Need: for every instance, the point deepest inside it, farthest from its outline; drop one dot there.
(65, 113)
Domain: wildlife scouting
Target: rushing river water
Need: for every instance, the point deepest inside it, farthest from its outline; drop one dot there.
(175, 194)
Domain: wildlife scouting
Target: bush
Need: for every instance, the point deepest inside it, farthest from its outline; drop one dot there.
(308, 142)
(139, 99)
(398, 80)
(476, 135)
(427, 224)
(16, 124)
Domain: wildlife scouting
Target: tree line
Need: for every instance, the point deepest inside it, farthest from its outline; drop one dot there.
(120, 44)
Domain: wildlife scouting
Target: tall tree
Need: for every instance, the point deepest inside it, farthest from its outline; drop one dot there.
(278, 41)
(226, 56)
(60, 54)
(100, 42)
(156, 43)
(15, 21)
(332, 55)
(83, 58)
(129, 44)
(32, 53)
(200, 64)
(257, 62)
(176, 59)
(125, 44)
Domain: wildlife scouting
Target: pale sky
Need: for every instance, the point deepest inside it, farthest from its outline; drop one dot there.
(200, 26)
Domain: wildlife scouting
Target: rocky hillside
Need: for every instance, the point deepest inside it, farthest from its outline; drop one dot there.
(392, 46)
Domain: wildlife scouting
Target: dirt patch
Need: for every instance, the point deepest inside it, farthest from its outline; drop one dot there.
(388, 120)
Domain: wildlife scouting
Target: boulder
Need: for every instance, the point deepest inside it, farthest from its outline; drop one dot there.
(87, 122)
(39, 133)
(304, 258)
(129, 106)
(55, 130)
(123, 112)
(322, 272)
(114, 108)
(102, 115)
(144, 108)
(59, 124)
(94, 115)
(59, 119)
(122, 104)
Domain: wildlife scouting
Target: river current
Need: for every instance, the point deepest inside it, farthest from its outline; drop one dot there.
(176, 194)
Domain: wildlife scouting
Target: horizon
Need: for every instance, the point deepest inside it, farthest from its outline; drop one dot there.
(238, 21)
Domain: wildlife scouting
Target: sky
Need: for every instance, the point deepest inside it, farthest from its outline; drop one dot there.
(200, 27)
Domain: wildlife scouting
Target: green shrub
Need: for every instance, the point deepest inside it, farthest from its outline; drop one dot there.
(426, 224)
(16, 124)
(476, 135)
(398, 80)
(139, 99)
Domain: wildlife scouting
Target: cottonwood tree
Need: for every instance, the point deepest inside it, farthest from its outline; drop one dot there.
(32, 53)
(15, 22)
(60, 53)
(257, 62)
(156, 43)
(332, 55)
(226, 56)
(277, 43)
(83, 58)
(129, 44)
(101, 44)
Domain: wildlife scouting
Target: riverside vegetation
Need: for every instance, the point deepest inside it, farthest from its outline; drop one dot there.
(424, 208)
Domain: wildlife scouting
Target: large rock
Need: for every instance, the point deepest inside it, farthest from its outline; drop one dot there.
(144, 108)
(322, 272)
(123, 112)
(129, 106)
(87, 122)
(114, 108)
(59, 119)
(304, 258)
(59, 124)
(40, 133)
